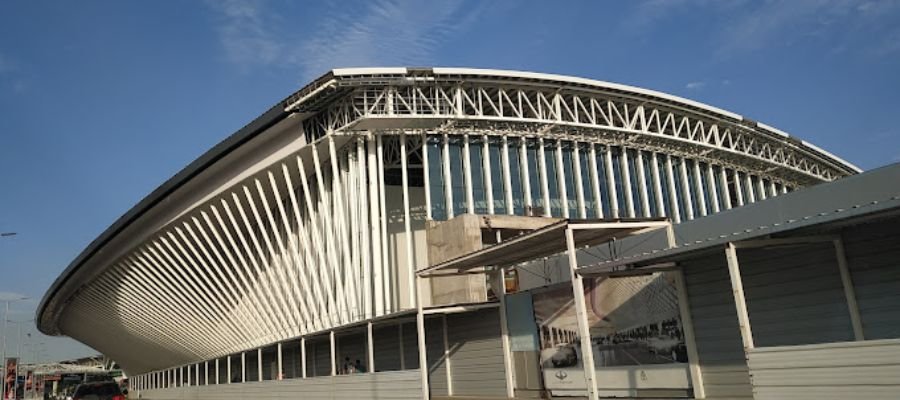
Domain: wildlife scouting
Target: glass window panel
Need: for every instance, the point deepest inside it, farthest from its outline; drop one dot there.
(436, 180)
(569, 179)
(534, 178)
(457, 179)
(479, 195)
(617, 178)
(515, 177)
(587, 183)
(497, 176)
(604, 183)
(552, 179)
(679, 188)
(648, 180)
(635, 183)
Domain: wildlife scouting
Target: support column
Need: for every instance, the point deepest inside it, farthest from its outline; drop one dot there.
(849, 291)
(737, 288)
(690, 340)
(217, 372)
(259, 364)
(370, 348)
(280, 364)
(303, 357)
(228, 370)
(420, 339)
(587, 354)
(333, 355)
(447, 366)
(243, 366)
(500, 290)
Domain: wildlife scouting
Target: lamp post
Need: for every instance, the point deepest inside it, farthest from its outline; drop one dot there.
(19, 348)
(5, 325)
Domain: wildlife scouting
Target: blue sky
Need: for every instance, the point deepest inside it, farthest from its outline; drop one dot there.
(100, 102)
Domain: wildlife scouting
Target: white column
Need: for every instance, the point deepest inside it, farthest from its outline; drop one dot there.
(690, 339)
(738, 189)
(751, 197)
(467, 175)
(333, 353)
(595, 181)
(587, 353)
(626, 183)
(407, 230)
(673, 190)
(713, 192)
(737, 288)
(303, 357)
(726, 194)
(657, 185)
(611, 184)
(217, 372)
(642, 184)
(259, 365)
(280, 364)
(507, 179)
(500, 289)
(228, 369)
(488, 175)
(426, 179)
(579, 184)
(370, 348)
(243, 366)
(448, 368)
(686, 191)
(561, 180)
(206, 373)
(545, 187)
(698, 184)
(523, 169)
(420, 343)
(448, 185)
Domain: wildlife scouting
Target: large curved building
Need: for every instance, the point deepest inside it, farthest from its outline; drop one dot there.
(291, 249)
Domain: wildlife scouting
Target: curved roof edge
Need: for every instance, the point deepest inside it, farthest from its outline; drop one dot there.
(46, 323)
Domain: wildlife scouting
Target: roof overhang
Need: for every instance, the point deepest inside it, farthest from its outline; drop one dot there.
(546, 241)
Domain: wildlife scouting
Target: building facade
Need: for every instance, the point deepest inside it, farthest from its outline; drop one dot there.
(315, 241)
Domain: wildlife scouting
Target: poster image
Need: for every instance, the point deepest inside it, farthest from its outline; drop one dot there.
(29, 378)
(636, 336)
(10, 370)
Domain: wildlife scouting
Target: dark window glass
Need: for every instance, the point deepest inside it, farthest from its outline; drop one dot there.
(478, 182)
(552, 179)
(497, 177)
(436, 180)
(515, 177)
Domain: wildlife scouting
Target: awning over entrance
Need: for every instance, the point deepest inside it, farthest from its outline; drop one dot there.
(546, 241)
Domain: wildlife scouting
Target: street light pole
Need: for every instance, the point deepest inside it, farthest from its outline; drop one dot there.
(5, 326)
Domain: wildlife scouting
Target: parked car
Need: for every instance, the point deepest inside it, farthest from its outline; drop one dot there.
(98, 391)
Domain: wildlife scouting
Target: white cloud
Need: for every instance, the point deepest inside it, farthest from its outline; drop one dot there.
(11, 296)
(383, 32)
(695, 85)
(244, 34)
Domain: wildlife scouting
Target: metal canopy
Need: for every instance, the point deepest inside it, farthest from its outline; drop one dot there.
(546, 241)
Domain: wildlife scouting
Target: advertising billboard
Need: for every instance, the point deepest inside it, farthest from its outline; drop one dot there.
(636, 339)
(10, 372)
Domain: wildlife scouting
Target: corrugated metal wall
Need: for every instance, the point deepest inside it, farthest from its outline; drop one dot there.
(434, 346)
(476, 354)
(848, 370)
(722, 360)
(795, 295)
(385, 385)
(873, 255)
